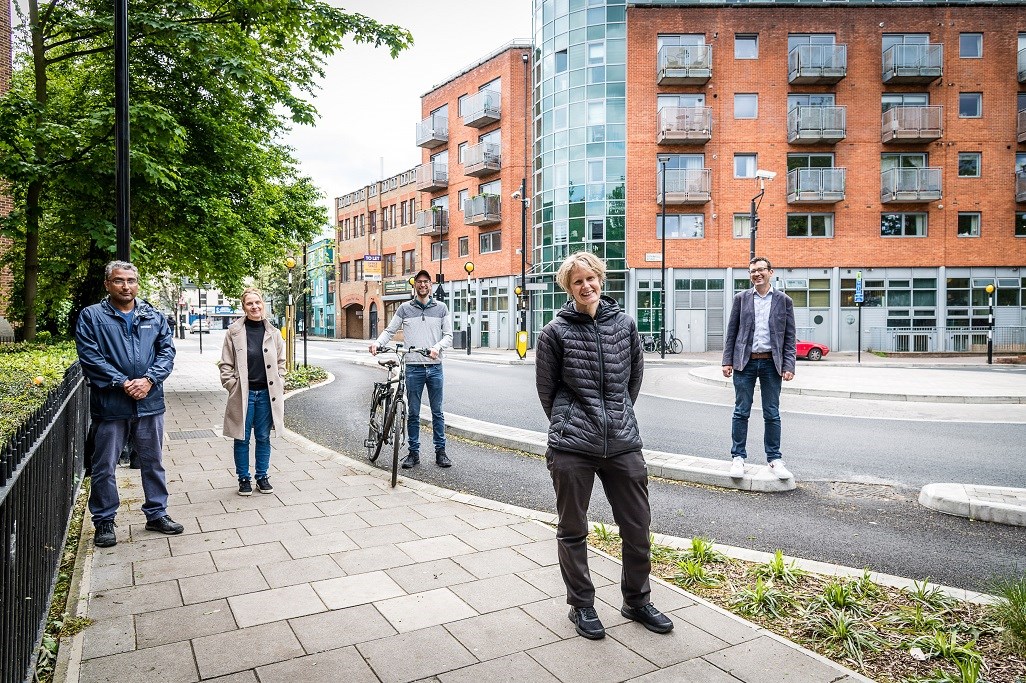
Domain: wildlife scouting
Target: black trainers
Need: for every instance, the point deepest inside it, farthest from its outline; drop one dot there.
(587, 623)
(165, 525)
(245, 488)
(264, 485)
(105, 536)
(411, 460)
(649, 617)
(442, 460)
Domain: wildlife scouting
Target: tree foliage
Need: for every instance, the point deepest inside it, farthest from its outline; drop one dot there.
(214, 84)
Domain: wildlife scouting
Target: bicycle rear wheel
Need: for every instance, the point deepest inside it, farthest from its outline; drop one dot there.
(398, 425)
(676, 345)
(375, 430)
(386, 428)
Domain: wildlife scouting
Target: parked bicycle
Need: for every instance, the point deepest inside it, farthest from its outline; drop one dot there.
(652, 343)
(388, 407)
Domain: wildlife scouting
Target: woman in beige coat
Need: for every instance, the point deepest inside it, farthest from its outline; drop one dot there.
(253, 371)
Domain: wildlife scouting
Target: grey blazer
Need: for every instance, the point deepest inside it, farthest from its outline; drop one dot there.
(737, 342)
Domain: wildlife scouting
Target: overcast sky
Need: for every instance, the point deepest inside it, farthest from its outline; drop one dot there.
(369, 104)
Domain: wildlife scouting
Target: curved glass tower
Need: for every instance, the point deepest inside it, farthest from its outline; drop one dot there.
(580, 162)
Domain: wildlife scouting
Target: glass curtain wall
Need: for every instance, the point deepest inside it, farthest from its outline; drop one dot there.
(579, 143)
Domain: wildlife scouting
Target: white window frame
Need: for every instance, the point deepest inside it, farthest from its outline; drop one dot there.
(753, 166)
(489, 242)
(904, 215)
(978, 97)
(979, 164)
(979, 42)
(741, 97)
(974, 219)
(809, 216)
(676, 230)
(746, 37)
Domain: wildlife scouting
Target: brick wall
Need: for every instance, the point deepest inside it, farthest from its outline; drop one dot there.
(857, 239)
(6, 279)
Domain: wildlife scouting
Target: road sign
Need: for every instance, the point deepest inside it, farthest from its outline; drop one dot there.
(858, 288)
(537, 287)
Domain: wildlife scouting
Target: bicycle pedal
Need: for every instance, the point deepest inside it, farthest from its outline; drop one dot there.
(368, 443)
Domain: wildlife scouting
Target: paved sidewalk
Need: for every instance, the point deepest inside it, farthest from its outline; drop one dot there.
(337, 577)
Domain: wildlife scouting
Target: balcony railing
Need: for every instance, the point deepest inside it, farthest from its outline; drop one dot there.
(433, 222)
(910, 185)
(482, 109)
(684, 64)
(912, 124)
(818, 185)
(811, 125)
(685, 186)
(482, 210)
(913, 63)
(1022, 65)
(432, 176)
(1020, 128)
(684, 125)
(482, 159)
(433, 131)
(1020, 186)
(817, 64)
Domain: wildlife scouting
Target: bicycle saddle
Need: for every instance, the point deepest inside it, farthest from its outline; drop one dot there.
(390, 364)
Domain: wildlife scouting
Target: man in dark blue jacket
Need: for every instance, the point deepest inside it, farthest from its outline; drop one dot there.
(127, 351)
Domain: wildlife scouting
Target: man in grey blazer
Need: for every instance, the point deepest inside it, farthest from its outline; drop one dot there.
(759, 344)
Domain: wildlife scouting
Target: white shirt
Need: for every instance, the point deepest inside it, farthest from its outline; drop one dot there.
(761, 337)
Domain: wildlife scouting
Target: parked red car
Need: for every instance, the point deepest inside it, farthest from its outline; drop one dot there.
(812, 350)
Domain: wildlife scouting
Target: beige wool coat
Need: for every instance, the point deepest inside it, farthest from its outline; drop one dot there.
(235, 377)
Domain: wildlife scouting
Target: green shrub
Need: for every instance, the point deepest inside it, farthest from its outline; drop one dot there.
(845, 633)
(302, 377)
(21, 367)
(778, 570)
(762, 599)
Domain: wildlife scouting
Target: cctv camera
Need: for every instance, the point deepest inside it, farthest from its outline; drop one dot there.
(765, 175)
(516, 195)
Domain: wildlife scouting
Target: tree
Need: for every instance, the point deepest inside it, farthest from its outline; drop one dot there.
(215, 194)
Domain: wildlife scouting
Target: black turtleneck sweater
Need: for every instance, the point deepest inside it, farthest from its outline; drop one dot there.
(255, 354)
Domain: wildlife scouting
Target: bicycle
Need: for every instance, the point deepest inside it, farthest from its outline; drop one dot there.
(388, 407)
(651, 343)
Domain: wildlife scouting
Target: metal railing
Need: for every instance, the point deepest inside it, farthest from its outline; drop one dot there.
(482, 158)
(1010, 339)
(817, 63)
(685, 123)
(690, 62)
(433, 131)
(910, 185)
(915, 62)
(482, 108)
(912, 123)
(685, 185)
(816, 123)
(433, 221)
(484, 209)
(41, 469)
(815, 184)
(433, 175)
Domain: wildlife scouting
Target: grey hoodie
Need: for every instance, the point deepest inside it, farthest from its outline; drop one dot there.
(425, 326)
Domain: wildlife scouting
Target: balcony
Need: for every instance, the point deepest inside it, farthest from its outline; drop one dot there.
(1020, 128)
(432, 176)
(685, 186)
(910, 185)
(913, 63)
(684, 64)
(433, 222)
(815, 185)
(808, 125)
(684, 125)
(482, 159)
(482, 109)
(810, 64)
(1020, 186)
(1022, 65)
(482, 210)
(912, 124)
(433, 132)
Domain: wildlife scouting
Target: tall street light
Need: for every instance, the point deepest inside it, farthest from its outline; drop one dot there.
(469, 267)
(663, 160)
(290, 328)
(990, 324)
(522, 337)
(121, 135)
(753, 213)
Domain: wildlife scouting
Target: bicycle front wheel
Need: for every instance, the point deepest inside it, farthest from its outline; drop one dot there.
(375, 431)
(386, 427)
(398, 425)
(676, 345)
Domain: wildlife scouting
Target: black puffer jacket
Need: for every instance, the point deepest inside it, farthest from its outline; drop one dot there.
(588, 375)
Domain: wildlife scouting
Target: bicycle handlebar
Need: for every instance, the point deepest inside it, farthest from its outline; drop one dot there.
(398, 348)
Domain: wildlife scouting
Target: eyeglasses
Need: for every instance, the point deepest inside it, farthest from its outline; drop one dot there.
(423, 282)
(755, 271)
(121, 282)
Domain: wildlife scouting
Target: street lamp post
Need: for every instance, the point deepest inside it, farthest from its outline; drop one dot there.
(663, 160)
(753, 212)
(306, 290)
(990, 324)
(469, 267)
(290, 328)
(522, 294)
(121, 134)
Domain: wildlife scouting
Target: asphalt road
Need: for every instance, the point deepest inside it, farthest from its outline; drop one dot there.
(837, 513)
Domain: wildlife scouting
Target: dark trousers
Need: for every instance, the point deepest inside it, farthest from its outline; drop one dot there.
(625, 480)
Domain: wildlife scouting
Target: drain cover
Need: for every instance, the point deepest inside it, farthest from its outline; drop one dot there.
(850, 489)
(195, 434)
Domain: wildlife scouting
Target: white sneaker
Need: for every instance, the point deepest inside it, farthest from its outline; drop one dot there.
(779, 470)
(737, 467)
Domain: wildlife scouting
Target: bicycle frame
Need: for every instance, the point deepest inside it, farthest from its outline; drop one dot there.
(392, 395)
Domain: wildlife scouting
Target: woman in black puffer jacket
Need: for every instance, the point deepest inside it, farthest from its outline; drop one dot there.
(589, 367)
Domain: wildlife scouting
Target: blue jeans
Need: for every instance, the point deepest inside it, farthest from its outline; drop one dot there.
(417, 376)
(744, 392)
(258, 420)
(148, 435)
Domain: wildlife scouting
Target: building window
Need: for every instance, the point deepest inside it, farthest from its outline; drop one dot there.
(742, 225)
(746, 46)
(745, 165)
(970, 105)
(907, 99)
(746, 106)
(463, 246)
(596, 230)
(461, 200)
(1020, 224)
(968, 225)
(681, 226)
(968, 164)
(359, 269)
(388, 267)
(461, 152)
(903, 225)
(650, 306)
(343, 271)
(409, 262)
(490, 242)
(440, 250)
(970, 45)
(373, 222)
(810, 225)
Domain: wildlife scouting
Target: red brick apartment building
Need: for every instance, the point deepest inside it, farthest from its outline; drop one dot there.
(6, 280)
(475, 156)
(896, 132)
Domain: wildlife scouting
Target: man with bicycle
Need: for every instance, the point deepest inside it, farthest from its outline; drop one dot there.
(427, 324)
